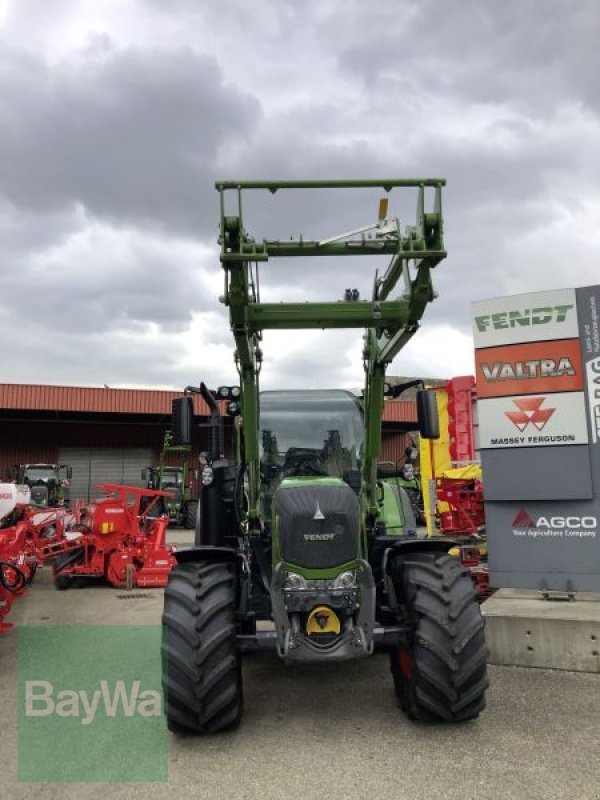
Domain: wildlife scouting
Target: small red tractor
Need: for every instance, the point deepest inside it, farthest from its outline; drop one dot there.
(112, 538)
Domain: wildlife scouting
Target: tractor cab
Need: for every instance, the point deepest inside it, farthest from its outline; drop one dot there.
(172, 481)
(309, 434)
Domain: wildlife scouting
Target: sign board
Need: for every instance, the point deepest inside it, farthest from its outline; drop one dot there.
(533, 420)
(531, 368)
(535, 317)
(538, 385)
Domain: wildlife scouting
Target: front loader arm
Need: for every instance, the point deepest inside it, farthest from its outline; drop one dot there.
(389, 322)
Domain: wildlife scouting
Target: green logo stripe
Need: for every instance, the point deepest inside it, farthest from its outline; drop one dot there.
(90, 704)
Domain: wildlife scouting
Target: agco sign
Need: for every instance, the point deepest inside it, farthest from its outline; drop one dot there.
(554, 526)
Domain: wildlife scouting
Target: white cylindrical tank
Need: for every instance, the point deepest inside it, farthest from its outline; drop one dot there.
(11, 496)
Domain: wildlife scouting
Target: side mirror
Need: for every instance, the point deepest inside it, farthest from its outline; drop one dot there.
(427, 415)
(181, 421)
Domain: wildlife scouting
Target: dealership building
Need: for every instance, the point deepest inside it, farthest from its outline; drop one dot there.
(110, 435)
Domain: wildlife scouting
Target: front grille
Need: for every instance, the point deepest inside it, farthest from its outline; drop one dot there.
(318, 525)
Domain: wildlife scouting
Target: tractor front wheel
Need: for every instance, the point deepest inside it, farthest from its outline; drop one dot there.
(190, 512)
(202, 671)
(440, 673)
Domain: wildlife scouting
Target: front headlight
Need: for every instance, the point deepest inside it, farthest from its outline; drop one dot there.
(294, 581)
(207, 476)
(345, 580)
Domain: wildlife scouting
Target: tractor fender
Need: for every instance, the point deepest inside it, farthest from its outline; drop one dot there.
(402, 549)
(220, 555)
(209, 553)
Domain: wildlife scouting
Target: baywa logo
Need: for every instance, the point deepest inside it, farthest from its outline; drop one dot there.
(554, 526)
(94, 689)
(530, 412)
(42, 700)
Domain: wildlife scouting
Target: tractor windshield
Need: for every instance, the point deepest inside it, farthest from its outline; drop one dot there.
(306, 433)
(172, 481)
(40, 472)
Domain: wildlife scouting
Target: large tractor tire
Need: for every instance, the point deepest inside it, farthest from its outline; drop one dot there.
(191, 511)
(202, 670)
(440, 674)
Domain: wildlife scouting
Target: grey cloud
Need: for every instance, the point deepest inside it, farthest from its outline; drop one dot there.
(516, 51)
(132, 135)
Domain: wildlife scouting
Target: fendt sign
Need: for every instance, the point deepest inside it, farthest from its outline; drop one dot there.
(537, 361)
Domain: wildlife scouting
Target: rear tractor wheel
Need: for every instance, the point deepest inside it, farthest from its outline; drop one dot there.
(202, 670)
(440, 674)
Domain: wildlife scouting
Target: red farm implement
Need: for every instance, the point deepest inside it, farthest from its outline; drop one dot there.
(452, 478)
(115, 538)
(23, 529)
(464, 519)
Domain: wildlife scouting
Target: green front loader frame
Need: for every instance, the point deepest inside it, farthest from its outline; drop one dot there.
(390, 317)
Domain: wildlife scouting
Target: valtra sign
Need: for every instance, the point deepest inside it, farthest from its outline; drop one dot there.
(534, 367)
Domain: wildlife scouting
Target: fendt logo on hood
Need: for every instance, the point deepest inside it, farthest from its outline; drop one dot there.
(530, 412)
(555, 526)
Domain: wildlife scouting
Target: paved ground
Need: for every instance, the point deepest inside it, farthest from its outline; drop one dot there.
(334, 732)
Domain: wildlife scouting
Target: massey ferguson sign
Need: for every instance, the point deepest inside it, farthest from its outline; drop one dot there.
(537, 362)
(533, 420)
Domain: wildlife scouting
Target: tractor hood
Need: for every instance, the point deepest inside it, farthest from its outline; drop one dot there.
(316, 522)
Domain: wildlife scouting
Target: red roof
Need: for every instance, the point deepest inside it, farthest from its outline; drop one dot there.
(131, 401)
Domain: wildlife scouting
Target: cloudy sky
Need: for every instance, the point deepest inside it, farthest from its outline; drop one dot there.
(117, 116)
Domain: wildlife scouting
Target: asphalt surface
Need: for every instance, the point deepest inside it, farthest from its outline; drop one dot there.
(335, 731)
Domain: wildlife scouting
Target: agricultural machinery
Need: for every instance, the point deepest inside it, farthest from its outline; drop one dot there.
(299, 529)
(452, 479)
(112, 538)
(180, 507)
(49, 483)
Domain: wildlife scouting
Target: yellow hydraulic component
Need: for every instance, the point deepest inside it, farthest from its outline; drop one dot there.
(434, 457)
(107, 527)
(469, 472)
(323, 620)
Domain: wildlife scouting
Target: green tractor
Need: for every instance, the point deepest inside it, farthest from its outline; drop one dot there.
(180, 507)
(298, 532)
(49, 484)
